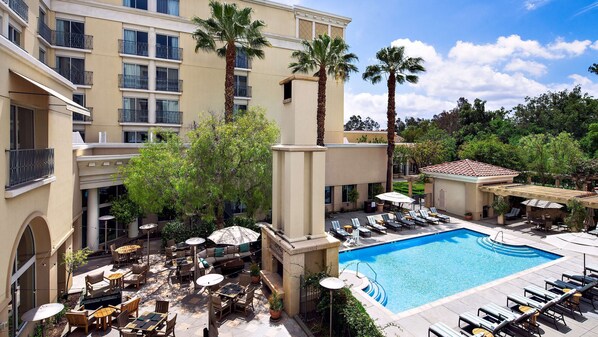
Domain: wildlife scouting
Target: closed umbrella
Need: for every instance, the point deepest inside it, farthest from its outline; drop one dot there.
(541, 203)
(233, 235)
(395, 197)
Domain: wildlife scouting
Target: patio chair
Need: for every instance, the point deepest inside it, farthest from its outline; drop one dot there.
(121, 322)
(442, 330)
(418, 220)
(374, 226)
(170, 254)
(96, 284)
(244, 280)
(521, 320)
(118, 259)
(429, 218)
(170, 243)
(546, 309)
(137, 275)
(80, 319)
(441, 217)
(391, 223)
(586, 290)
(480, 322)
(245, 302)
(185, 271)
(168, 329)
(362, 230)
(513, 213)
(219, 305)
(131, 306)
(162, 306)
(338, 230)
(401, 218)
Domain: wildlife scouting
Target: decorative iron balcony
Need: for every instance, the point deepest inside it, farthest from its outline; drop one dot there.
(20, 7)
(132, 82)
(132, 116)
(28, 165)
(76, 76)
(44, 31)
(170, 53)
(242, 62)
(72, 40)
(132, 48)
(169, 117)
(243, 91)
(77, 118)
(169, 85)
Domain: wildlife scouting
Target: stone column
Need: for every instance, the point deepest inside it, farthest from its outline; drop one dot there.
(93, 213)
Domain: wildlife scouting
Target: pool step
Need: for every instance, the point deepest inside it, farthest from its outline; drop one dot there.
(377, 292)
(501, 248)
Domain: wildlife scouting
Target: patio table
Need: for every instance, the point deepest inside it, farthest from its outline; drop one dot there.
(104, 317)
(128, 249)
(230, 290)
(147, 322)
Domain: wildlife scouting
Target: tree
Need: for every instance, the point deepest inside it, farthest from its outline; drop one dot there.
(73, 260)
(125, 210)
(399, 68)
(491, 150)
(593, 68)
(564, 152)
(590, 141)
(355, 123)
(428, 153)
(326, 56)
(577, 215)
(448, 121)
(535, 155)
(232, 27)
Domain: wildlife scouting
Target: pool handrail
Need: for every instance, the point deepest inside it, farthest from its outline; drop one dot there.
(372, 269)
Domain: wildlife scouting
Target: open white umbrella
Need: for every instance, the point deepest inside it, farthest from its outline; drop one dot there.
(578, 242)
(541, 203)
(395, 197)
(233, 235)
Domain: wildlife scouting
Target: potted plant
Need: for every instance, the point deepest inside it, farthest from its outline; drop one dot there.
(500, 206)
(353, 197)
(254, 272)
(468, 216)
(377, 189)
(126, 212)
(275, 302)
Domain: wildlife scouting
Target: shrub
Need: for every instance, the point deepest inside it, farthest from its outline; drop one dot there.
(500, 205)
(125, 210)
(577, 216)
(180, 231)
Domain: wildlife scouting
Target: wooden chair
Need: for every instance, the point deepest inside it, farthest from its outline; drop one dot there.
(169, 329)
(118, 259)
(186, 271)
(96, 284)
(179, 254)
(244, 280)
(161, 306)
(121, 321)
(80, 319)
(112, 247)
(170, 254)
(219, 305)
(131, 306)
(170, 243)
(137, 275)
(246, 301)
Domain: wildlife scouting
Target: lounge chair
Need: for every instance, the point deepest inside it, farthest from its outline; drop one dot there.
(546, 309)
(418, 220)
(442, 330)
(362, 230)
(96, 284)
(521, 320)
(390, 223)
(429, 218)
(80, 319)
(513, 213)
(493, 326)
(401, 218)
(338, 230)
(376, 227)
(441, 217)
(586, 290)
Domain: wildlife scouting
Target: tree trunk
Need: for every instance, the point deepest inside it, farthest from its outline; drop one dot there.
(229, 83)
(390, 134)
(220, 215)
(321, 112)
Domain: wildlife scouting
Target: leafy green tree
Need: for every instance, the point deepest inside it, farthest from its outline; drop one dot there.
(448, 121)
(125, 210)
(428, 152)
(534, 154)
(393, 63)
(355, 123)
(577, 215)
(564, 152)
(584, 171)
(593, 68)
(491, 150)
(326, 56)
(590, 141)
(73, 260)
(232, 27)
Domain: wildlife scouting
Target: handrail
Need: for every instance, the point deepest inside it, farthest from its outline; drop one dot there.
(502, 235)
(372, 269)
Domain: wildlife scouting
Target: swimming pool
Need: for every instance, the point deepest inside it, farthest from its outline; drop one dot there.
(421, 270)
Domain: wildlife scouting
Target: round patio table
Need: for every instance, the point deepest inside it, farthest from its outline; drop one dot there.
(128, 249)
(209, 280)
(104, 316)
(42, 312)
(485, 332)
(116, 279)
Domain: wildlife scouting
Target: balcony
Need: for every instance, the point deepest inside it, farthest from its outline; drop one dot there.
(169, 117)
(243, 91)
(76, 76)
(133, 82)
(242, 62)
(19, 7)
(169, 85)
(44, 31)
(79, 118)
(132, 116)
(169, 53)
(71, 40)
(29, 165)
(133, 48)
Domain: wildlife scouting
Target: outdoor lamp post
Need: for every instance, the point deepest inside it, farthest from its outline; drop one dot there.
(148, 227)
(106, 218)
(209, 280)
(332, 283)
(194, 242)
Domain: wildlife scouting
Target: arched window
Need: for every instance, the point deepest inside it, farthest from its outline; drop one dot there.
(22, 282)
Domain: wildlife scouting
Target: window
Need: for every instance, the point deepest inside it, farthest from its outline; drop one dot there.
(328, 195)
(167, 111)
(346, 190)
(135, 136)
(305, 30)
(42, 16)
(72, 69)
(22, 287)
(239, 108)
(288, 91)
(135, 110)
(170, 7)
(167, 47)
(139, 4)
(372, 189)
(22, 130)
(70, 34)
(241, 87)
(79, 99)
(241, 60)
(42, 56)
(135, 76)
(14, 35)
(135, 43)
(167, 79)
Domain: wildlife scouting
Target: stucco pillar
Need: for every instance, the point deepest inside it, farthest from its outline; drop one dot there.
(151, 77)
(4, 27)
(93, 213)
(151, 107)
(331, 261)
(294, 266)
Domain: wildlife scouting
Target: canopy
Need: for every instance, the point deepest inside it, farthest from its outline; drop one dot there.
(541, 203)
(395, 197)
(233, 235)
(577, 242)
(42, 312)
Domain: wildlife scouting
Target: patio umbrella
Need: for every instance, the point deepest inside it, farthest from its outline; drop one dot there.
(395, 197)
(233, 235)
(541, 203)
(578, 242)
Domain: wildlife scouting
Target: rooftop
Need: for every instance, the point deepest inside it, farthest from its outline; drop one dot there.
(469, 168)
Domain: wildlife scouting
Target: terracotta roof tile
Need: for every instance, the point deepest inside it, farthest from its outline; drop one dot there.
(470, 168)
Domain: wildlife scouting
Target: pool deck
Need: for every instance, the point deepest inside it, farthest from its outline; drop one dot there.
(415, 322)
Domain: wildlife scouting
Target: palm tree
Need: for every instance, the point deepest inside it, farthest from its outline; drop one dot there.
(233, 27)
(327, 56)
(399, 69)
(593, 68)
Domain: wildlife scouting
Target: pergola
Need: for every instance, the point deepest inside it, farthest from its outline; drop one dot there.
(554, 194)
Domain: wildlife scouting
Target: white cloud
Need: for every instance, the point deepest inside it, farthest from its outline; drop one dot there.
(531, 5)
(594, 45)
(531, 67)
(573, 48)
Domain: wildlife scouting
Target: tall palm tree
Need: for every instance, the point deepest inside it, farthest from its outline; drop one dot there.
(399, 68)
(327, 56)
(232, 27)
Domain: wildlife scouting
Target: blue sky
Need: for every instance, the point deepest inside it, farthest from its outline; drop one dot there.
(496, 50)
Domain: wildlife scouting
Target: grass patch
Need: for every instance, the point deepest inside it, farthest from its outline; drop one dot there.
(403, 187)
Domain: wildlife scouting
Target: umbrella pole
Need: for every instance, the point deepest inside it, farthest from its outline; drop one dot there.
(584, 264)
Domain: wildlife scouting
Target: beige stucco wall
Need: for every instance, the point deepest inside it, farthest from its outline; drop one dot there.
(454, 192)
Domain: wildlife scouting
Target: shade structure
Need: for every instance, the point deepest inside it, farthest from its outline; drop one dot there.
(577, 242)
(395, 197)
(541, 203)
(42, 312)
(233, 235)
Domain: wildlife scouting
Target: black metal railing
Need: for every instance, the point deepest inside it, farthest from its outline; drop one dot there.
(132, 116)
(169, 117)
(133, 48)
(44, 31)
(170, 53)
(242, 62)
(72, 40)
(77, 117)
(76, 76)
(28, 165)
(132, 81)
(169, 85)
(243, 91)
(20, 7)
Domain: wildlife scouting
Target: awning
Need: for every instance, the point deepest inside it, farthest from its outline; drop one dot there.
(70, 104)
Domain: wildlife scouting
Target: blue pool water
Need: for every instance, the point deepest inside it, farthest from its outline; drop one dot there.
(421, 270)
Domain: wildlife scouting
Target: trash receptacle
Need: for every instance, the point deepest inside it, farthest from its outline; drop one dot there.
(367, 207)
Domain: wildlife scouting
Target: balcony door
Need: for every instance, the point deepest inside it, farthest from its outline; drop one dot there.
(135, 43)
(72, 69)
(21, 128)
(70, 34)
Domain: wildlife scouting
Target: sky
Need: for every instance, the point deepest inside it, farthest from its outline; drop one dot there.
(497, 50)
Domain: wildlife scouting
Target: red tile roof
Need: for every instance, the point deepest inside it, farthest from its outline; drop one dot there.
(470, 168)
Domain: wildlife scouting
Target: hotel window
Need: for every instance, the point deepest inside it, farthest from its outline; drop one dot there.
(22, 286)
(42, 56)
(139, 4)
(14, 35)
(372, 189)
(167, 79)
(135, 43)
(346, 190)
(167, 47)
(135, 76)
(135, 110)
(170, 7)
(328, 195)
(135, 136)
(71, 34)
(321, 29)
(305, 30)
(167, 111)
(73, 69)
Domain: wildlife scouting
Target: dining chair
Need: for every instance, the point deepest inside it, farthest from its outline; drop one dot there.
(246, 301)
(169, 329)
(244, 280)
(121, 321)
(162, 306)
(220, 305)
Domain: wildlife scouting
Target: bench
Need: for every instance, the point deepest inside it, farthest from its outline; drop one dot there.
(273, 281)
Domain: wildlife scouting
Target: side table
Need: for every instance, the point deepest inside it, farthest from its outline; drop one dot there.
(116, 280)
(348, 229)
(104, 316)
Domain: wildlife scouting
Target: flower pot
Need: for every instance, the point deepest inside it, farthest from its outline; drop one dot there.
(379, 207)
(275, 314)
(468, 217)
(255, 279)
(133, 229)
(501, 219)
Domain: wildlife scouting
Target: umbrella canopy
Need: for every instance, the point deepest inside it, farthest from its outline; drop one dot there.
(42, 312)
(233, 235)
(395, 197)
(577, 242)
(541, 203)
